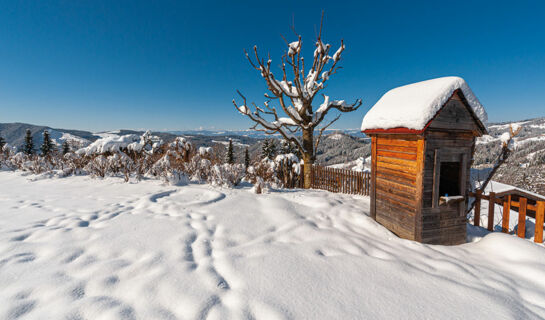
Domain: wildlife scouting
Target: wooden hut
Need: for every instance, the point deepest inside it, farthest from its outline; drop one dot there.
(423, 140)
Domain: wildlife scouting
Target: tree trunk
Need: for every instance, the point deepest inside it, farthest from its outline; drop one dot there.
(308, 156)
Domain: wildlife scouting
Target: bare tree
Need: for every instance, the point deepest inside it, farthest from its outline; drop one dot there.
(295, 96)
(506, 144)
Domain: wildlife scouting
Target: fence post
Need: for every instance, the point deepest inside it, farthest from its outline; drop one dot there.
(521, 229)
(505, 217)
(491, 204)
(302, 176)
(343, 176)
(540, 216)
(477, 210)
(367, 183)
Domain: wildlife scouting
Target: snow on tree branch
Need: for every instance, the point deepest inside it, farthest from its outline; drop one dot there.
(295, 96)
(289, 110)
(507, 145)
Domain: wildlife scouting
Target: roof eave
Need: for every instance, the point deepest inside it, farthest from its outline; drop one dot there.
(399, 130)
(402, 130)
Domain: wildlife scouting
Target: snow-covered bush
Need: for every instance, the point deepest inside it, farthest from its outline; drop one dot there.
(182, 148)
(5, 156)
(121, 163)
(98, 166)
(171, 164)
(259, 185)
(176, 178)
(176, 163)
(226, 174)
(17, 160)
(200, 165)
(73, 163)
(263, 169)
(288, 169)
(34, 164)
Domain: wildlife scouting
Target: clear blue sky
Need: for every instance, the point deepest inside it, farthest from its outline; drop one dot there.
(102, 65)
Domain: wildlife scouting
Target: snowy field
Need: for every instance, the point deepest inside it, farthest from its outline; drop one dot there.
(82, 248)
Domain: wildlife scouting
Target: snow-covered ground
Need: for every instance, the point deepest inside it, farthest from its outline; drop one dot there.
(81, 248)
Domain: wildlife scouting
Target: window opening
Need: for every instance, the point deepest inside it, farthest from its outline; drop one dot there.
(449, 181)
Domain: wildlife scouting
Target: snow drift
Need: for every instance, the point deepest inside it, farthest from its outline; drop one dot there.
(77, 248)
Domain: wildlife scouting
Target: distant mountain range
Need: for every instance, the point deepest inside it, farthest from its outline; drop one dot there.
(525, 168)
(255, 134)
(14, 133)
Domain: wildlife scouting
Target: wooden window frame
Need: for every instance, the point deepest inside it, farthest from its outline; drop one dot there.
(449, 155)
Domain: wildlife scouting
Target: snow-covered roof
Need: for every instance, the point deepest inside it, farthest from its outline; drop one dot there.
(413, 106)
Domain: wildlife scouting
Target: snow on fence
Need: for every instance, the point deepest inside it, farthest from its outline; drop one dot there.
(340, 180)
(524, 206)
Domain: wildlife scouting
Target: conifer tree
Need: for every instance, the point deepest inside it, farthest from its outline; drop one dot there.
(246, 159)
(265, 149)
(230, 159)
(268, 149)
(284, 147)
(28, 147)
(272, 149)
(65, 148)
(2, 144)
(288, 147)
(47, 146)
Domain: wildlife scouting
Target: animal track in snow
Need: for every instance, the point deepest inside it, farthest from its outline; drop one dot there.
(160, 195)
(73, 256)
(20, 237)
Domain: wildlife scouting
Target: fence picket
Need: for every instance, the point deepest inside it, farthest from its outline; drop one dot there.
(491, 203)
(505, 217)
(521, 228)
(540, 215)
(477, 212)
(338, 180)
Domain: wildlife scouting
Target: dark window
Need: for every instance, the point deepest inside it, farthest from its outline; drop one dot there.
(449, 181)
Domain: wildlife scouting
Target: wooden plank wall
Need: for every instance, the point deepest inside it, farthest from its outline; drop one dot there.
(444, 224)
(397, 189)
(454, 117)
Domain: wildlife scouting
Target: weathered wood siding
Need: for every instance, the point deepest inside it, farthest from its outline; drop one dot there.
(397, 165)
(406, 176)
(454, 117)
(450, 136)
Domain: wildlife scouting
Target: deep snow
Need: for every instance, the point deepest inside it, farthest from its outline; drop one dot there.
(81, 248)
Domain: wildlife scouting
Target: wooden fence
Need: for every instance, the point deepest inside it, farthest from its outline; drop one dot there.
(340, 180)
(508, 202)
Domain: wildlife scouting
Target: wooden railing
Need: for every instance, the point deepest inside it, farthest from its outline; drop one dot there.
(340, 180)
(536, 211)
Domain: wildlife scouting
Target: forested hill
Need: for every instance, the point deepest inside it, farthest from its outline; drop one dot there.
(525, 168)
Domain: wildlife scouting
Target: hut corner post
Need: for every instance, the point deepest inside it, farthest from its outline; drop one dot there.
(420, 163)
(373, 177)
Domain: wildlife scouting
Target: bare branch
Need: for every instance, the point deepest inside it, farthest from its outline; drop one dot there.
(322, 131)
(320, 114)
(500, 160)
(270, 127)
(321, 24)
(300, 82)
